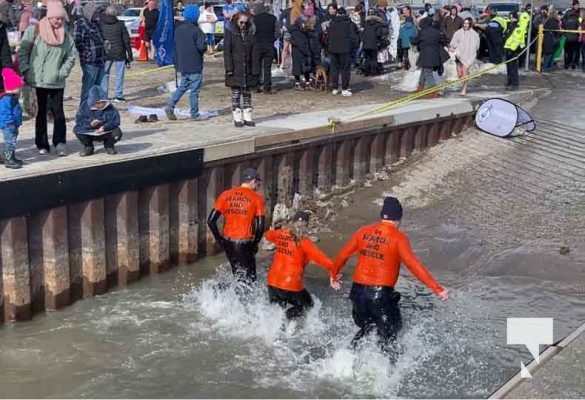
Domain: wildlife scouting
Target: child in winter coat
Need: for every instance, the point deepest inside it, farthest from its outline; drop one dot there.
(10, 116)
(98, 121)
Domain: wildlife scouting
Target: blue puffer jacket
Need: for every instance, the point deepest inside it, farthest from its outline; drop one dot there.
(108, 116)
(407, 31)
(10, 111)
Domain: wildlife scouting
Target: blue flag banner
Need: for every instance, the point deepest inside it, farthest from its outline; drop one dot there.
(165, 34)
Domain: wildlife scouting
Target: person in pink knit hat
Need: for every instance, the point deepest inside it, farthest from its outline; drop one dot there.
(10, 116)
(46, 58)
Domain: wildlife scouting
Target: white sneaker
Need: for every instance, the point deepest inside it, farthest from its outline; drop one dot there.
(61, 150)
(335, 92)
(346, 93)
(43, 152)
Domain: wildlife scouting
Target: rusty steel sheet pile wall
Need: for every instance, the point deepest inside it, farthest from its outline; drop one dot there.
(57, 252)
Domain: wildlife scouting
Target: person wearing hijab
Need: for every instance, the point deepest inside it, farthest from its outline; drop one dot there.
(46, 58)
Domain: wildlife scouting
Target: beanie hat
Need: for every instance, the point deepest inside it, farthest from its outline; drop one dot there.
(12, 80)
(56, 10)
(575, 2)
(260, 8)
(191, 13)
(391, 209)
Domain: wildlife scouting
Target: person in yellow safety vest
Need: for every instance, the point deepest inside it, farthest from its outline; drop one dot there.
(524, 23)
(494, 36)
(515, 42)
(524, 20)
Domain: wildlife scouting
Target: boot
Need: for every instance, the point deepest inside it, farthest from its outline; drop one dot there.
(248, 117)
(10, 161)
(420, 88)
(86, 151)
(238, 122)
(16, 160)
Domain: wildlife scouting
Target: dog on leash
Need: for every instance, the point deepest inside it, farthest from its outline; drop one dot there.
(321, 78)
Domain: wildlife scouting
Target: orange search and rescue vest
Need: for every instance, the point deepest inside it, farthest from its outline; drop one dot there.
(239, 206)
(290, 260)
(381, 247)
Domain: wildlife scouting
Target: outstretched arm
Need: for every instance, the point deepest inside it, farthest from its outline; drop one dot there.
(418, 269)
(321, 259)
(348, 250)
(317, 256)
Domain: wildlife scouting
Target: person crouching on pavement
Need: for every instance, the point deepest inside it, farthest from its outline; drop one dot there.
(293, 252)
(381, 247)
(10, 116)
(240, 75)
(98, 121)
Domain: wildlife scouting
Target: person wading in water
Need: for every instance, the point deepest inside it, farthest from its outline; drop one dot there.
(243, 210)
(293, 252)
(381, 247)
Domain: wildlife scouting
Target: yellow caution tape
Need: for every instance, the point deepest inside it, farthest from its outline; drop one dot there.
(333, 123)
(564, 30)
(139, 73)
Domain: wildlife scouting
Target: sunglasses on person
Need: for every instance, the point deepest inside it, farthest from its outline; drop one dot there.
(242, 22)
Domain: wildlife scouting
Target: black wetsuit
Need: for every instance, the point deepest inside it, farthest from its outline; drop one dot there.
(301, 301)
(376, 308)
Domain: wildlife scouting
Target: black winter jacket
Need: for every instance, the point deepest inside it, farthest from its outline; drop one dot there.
(189, 48)
(267, 28)
(430, 41)
(342, 35)
(374, 31)
(550, 39)
(237, 58)
(571, 23)
(115, 32)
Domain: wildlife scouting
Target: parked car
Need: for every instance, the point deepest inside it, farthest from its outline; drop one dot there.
(131, 18)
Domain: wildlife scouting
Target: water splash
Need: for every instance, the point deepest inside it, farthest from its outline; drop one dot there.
(308, 358)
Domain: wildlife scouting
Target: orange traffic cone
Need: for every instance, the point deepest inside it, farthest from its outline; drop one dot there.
(143, 52)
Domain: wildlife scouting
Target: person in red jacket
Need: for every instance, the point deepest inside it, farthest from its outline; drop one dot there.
(381, 247)
(243, 210)
(292, 254)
